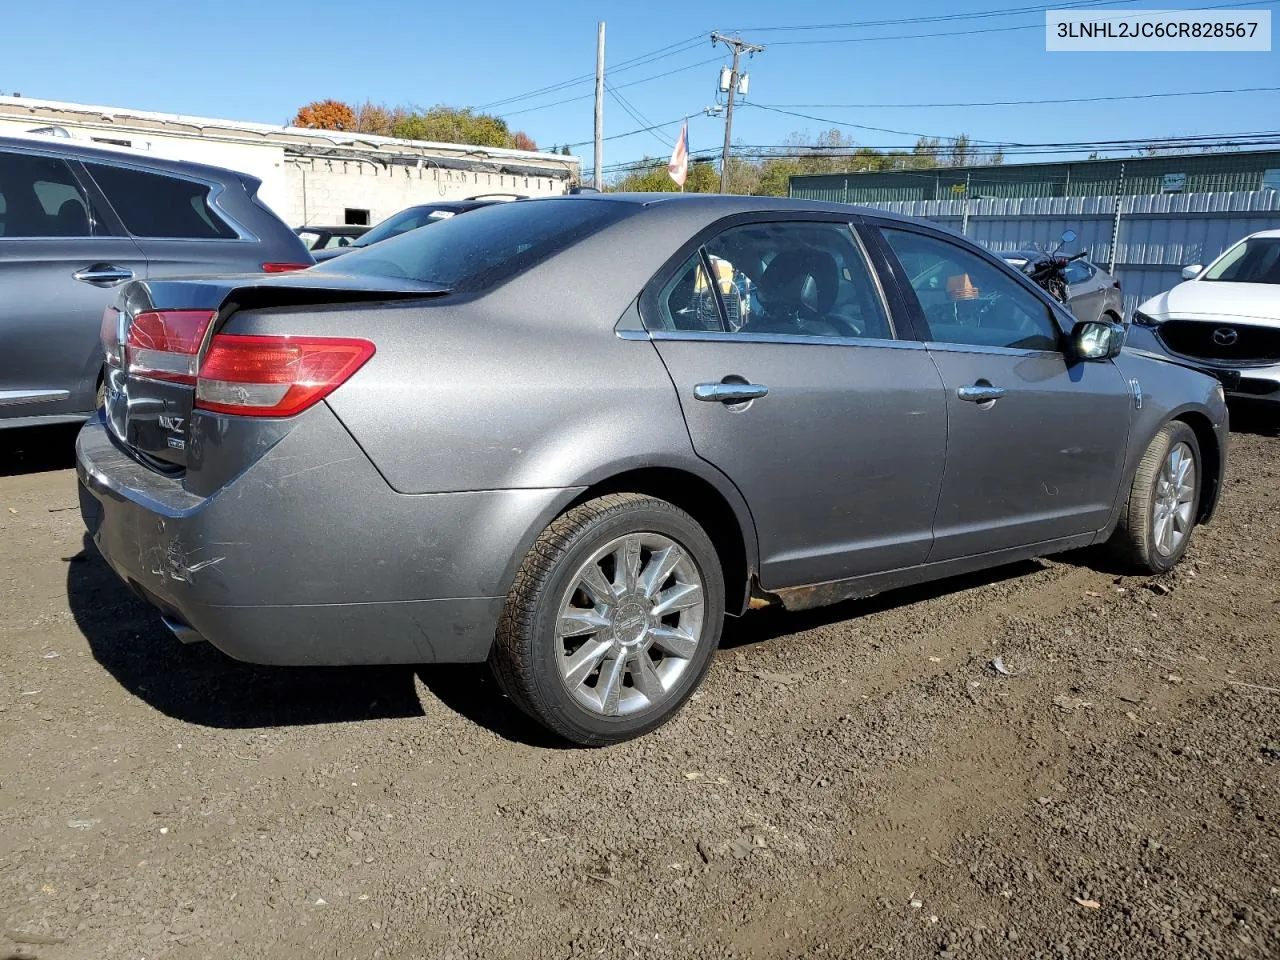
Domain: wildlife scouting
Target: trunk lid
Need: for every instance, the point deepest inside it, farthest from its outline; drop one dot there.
(149, 381)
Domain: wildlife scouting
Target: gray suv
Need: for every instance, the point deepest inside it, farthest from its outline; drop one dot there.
(78, 220)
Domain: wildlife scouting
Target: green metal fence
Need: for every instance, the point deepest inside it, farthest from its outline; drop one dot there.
(1183, 173)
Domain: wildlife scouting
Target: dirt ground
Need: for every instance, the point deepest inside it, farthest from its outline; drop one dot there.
(853, 782)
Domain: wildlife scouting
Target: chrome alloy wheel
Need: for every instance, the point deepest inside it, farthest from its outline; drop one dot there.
(629, 624)
(1174, 502)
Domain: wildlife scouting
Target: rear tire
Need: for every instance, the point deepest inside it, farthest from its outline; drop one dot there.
(612, 620)
(1164, 501)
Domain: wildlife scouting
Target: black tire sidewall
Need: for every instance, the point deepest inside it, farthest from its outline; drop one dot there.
(1176, 432)
(548, 686)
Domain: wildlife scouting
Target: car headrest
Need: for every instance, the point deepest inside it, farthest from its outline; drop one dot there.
(72, 219)
(800, 278)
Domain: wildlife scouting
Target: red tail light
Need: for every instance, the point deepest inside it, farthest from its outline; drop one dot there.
(275, 376)
(165, 344)
(284, 267)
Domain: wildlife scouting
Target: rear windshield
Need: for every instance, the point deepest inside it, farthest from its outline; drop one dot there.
(484, 246)
(1256, 260)
(403, 222)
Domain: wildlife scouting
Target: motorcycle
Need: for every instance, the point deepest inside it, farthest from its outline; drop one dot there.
(1049, 269)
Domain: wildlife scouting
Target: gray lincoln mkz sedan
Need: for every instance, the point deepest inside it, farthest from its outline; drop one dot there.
(567, 436)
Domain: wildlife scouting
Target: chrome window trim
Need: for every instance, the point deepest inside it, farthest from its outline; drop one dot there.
(785, 338)
(84, 193)
(874, 274)
(942, 346)
(214, 187)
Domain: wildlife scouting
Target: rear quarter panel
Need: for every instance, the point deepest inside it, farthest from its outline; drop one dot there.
(459, 397)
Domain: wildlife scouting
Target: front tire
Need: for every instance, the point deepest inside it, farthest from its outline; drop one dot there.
(612, 620)
(1164, 501)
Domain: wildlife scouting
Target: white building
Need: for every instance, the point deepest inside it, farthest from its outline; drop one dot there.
(318, 177)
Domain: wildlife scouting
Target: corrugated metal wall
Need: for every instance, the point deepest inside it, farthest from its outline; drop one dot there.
(1159, 233)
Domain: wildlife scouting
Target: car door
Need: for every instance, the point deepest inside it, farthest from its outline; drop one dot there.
(1035, 441)
(61, 256)
(798, 383)
(174, 222)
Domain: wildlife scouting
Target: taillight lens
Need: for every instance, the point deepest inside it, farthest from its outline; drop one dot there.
(165, 344)
(284, 267)
(275, 376)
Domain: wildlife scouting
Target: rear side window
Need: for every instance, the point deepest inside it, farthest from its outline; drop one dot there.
(486, 246)
(40, 197)
(157, 206)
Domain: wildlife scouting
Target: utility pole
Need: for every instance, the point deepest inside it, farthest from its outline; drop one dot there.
(599, 158)
(739, 47)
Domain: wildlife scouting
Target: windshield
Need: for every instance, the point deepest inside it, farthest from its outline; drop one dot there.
(1256, 260)
(487, 245)
(403, 222)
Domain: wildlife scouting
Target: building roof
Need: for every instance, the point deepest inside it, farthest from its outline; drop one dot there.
(294, 139)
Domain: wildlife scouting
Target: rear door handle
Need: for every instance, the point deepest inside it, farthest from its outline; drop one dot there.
(980, 393)
(729, 392)
(103, 274)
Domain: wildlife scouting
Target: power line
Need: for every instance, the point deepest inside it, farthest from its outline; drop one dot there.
(983, 30)
(1014, 103)
(620, 86)
(940, 18)
(1263, 138)
(861, 126)
(632, 133)
(661, 53)
(634, 112)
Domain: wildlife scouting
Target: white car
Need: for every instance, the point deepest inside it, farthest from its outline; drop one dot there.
(1224, 318)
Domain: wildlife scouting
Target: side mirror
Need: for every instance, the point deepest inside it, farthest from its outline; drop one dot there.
(1191, 272)
(1097, 339)
(1068, 236)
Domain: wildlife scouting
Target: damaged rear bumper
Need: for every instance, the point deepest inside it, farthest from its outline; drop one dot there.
(308, 556)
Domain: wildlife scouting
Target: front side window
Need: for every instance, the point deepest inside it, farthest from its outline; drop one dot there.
(966, 299)
(159, 207)
(1256, 260)
(796, 279)
(40, 197)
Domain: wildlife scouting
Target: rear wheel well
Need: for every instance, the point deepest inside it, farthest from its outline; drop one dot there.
(1212, 457)
(705, 504)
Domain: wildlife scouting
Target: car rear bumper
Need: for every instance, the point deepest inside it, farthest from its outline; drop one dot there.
(308, 556)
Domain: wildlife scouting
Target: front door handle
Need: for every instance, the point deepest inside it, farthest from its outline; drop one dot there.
(729, 392)
(980, 393)
(103, 275)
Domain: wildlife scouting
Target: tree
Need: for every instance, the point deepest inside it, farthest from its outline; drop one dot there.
(326, 115)
(441, 124)
(522, 141)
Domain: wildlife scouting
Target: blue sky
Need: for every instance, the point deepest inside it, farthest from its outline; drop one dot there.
(266, 58)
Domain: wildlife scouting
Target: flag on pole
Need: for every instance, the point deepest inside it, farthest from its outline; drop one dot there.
(678, 167)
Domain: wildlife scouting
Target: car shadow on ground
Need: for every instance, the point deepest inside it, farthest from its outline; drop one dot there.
(37, 449)
(197, 684)
(1261, 419)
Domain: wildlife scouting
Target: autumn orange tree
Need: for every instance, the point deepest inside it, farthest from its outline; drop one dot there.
(326, 115)
(439, 123)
